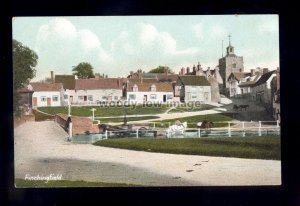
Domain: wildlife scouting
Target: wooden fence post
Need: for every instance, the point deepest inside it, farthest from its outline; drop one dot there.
(243, 123)
(199, 132)
(229, 131)
(137, 133)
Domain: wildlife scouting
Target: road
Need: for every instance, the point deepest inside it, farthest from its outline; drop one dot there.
(41, 149)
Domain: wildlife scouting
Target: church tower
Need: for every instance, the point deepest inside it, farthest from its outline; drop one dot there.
(228, 64)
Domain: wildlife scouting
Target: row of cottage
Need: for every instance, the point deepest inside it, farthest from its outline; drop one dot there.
(161, 88)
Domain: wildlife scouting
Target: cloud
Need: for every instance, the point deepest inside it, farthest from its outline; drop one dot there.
(60, 46)
(144, 46)
(218, 31)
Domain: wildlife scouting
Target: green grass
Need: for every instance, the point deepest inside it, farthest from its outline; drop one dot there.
(265, 147)
(40, 116)
(67, 183)
(192, 120)
(181, 109)
(121, 119)
(85, 111)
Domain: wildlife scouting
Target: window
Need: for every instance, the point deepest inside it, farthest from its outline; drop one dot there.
(43, 99)
(169, 96)
(153, 96)
(135, 88)
(55, 98)
(193, 88)
(132, 96)
(194, 96)
(65, 96)
(153, 88)
(90, 98)
(80, 98)
(116, 97)
(104, 97)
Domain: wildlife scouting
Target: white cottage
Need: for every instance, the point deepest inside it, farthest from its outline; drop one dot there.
(193, 88)
(46, 94)
(155, 92)
(91, 91)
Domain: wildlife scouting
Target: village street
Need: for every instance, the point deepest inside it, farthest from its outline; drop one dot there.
(41, 149)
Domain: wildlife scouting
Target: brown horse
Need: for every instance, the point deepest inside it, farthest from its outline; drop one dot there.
(206, 125)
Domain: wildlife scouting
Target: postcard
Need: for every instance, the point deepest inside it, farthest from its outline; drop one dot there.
(139, 101)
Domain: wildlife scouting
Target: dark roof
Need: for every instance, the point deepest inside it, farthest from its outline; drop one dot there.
(194, 80)
(146, 87)
(264, 78)
(167, 77)
(43, 87)
(150, 80)
(104, 83)
(68, 81)
(239, 75)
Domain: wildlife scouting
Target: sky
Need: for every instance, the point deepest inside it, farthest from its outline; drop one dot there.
(116, 45)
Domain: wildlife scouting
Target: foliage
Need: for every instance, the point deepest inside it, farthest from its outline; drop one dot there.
(264, 147)
(24, 63)
(83, 70)
(161, 69)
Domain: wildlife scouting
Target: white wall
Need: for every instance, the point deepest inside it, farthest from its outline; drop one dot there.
(47, 95)
(198, 92)
(139, 96)
(97, 94)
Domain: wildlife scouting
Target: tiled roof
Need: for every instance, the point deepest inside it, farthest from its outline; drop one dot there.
(146, 87)
(43, 87)
(149, 80)
(264, 78)
(167, 78)
(68, 81)
(194, 80)
(239, 75)
(105, 83)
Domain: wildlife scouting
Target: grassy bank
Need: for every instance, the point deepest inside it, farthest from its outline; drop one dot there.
(181, 109)
(121, 119)
(41, 116)
(192, 120)
(67, 183)
(85, 111)
(265, 147)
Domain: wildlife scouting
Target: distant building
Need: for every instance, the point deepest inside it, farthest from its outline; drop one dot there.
(68, 82)
(92, 91)
(46, 94)
(193, 88)
(276, 96)
(231, 63)
(261, 90)
(158, 92)
(234, 79)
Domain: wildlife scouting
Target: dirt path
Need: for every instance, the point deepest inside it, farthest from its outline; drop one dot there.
(40, 148)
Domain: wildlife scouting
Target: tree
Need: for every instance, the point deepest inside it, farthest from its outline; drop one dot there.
(83, 70)
(24, 62)
(161, 69)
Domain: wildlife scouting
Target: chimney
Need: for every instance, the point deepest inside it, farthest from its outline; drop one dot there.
(252, 72)
(265, 70)
(188, 70)
(106, 76)
(208, 68)
(198, 66)
(182, 71)
(97, 76)
(52, 77)
(194, 68)
(118, 82)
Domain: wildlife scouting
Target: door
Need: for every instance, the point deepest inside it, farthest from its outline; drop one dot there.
(34, 101)
(145, 98)
(164, 98)
(71, 99)
(48, 101)
(85, 98)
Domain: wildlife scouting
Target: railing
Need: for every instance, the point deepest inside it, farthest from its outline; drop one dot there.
(198, 132)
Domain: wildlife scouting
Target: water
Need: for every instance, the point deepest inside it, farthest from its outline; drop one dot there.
(87, 138)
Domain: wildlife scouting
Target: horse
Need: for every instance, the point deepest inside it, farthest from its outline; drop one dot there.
(235, 107)
(244, 106)
(206, 125)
